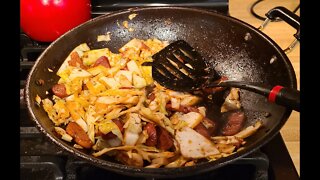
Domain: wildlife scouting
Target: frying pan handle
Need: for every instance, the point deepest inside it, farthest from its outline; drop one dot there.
(287, 16)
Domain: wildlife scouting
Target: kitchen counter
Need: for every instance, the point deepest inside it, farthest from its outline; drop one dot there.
(282, 34)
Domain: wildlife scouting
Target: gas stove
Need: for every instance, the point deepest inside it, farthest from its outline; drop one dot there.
(41, 159)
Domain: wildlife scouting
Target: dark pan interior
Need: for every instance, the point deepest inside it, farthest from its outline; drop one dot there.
(233, 48)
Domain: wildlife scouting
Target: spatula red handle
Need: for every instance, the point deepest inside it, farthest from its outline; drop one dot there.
(285, 96)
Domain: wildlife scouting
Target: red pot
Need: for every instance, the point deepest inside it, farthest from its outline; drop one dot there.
(46, 20)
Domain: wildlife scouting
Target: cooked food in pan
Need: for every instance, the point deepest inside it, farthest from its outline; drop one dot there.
(107, 104)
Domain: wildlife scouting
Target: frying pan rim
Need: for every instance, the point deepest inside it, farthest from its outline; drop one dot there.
(163, 172)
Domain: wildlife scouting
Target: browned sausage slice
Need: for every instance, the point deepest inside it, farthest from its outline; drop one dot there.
(211, 125)
(152, 133)
(235, 122)
(206, 128)
(76, 60)
(152, 96)
(59, 90)
(201, 129)
(79, 135)
(103, 61)
(165, 141)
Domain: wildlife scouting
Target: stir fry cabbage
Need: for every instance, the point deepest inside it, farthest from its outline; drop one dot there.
(107, 104)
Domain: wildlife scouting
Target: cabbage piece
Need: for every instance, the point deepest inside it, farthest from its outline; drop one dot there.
(133, 67)
(105, 150)
(249, 130)
(191, 118)
(138, 81)
(109, 126)
(82, 124)
(90, 57)
(232, 101)
(158, 118)
(158, 162)
(194, 145)
(78, 73)
(110, 82)
(64, 135)
(179, 162)
(90, 119)
(133, 128)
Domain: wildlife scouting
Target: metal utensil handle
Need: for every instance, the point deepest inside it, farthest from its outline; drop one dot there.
(284, 96)
(287, 16)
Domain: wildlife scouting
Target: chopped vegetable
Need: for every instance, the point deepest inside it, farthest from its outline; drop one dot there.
(106, 37)
(193, 145)
(232, 101)
(38, 99)
(131, 16)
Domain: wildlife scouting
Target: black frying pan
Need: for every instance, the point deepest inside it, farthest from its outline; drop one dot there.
(234, 48)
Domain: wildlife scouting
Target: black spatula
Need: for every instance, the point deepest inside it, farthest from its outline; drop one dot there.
(181, 68)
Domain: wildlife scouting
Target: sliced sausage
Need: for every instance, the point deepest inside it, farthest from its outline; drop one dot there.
(201, 129)
(107, 136)
(152, 133)
(75, 60)
(211, 125)
(110, 135)
(151, 96)
(103, 61)
(234, 122)
(206, 128)
(79, 135)
(165, 141)
(59, 90)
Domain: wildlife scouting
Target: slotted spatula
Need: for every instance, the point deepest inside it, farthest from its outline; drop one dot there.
(181, 68)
